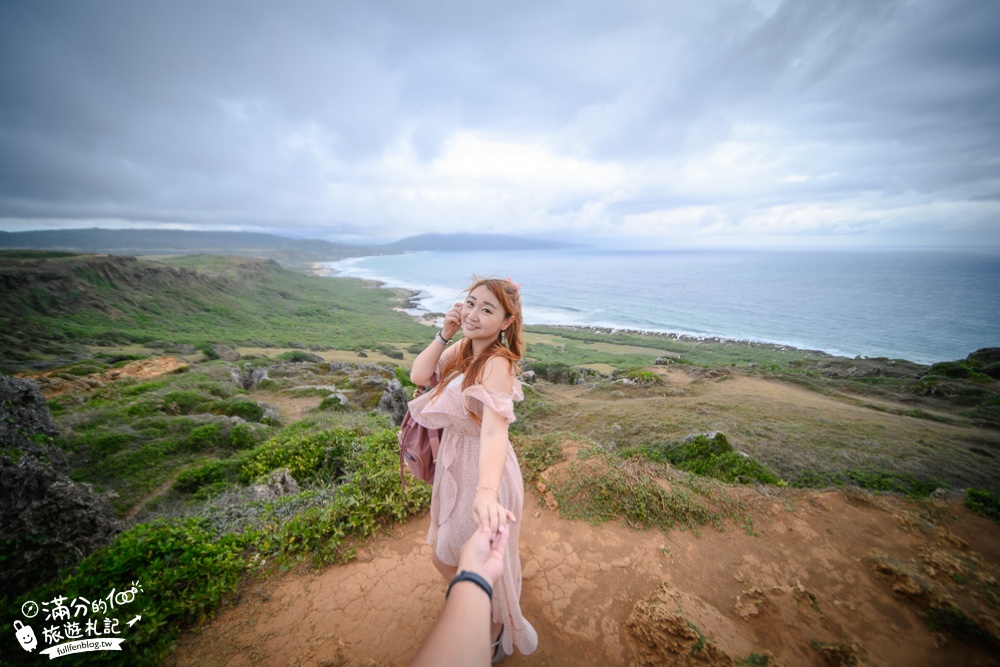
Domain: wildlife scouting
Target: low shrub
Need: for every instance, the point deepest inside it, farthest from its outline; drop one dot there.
(983, 502)
(249, 410)
(370, 497)
(628, 492)
(709, 456)
(108, 442)
(886, 481)
(537, 454)
(644, 377)
(179, 571)
(299, 356)
(206, 437)
(556, 372)
(958, 370)
(403, 375)
(183, 402)
(245, 436)
(307, 456)
(212, 472)
(531, 408)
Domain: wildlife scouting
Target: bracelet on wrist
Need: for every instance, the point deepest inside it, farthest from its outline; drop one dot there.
(465, 575)
(488, 488)
(439, 337)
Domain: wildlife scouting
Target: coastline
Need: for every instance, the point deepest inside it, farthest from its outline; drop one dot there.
(412, 298)
(922, 308)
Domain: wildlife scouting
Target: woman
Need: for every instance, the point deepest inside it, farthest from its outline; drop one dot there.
(477, 480)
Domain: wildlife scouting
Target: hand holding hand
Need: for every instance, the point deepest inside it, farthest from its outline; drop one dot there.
(452, 321)
(484, 556)
(487, 511)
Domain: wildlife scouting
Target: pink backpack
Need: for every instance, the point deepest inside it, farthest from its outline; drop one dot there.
(418, 446)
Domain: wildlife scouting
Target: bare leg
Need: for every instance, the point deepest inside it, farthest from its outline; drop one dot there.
(447, 571)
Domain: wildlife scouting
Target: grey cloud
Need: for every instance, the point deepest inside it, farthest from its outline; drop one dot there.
(253, 112)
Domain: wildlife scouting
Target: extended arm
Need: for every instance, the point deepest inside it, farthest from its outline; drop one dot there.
(498, 375)
(461, 635)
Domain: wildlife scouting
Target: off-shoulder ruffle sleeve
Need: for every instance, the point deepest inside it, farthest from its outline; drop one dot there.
(431, 413)
(477, 397)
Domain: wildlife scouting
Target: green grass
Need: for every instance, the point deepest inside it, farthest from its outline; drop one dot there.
(707, 456)
(884, 481)
(983, 502)
(133, 437)
(196, 300)
(538, 453)
(579, 346)
(600, 487)
(185, 568)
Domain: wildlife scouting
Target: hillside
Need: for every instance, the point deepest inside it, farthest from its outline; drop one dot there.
(626, 560)
(62, 306)
(288, 251)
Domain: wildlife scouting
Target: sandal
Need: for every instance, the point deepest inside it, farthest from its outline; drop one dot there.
(498, 651)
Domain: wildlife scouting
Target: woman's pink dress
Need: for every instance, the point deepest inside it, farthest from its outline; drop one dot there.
(455, 479)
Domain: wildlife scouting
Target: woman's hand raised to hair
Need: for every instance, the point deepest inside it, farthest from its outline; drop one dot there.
(487, 511)
(452, 321)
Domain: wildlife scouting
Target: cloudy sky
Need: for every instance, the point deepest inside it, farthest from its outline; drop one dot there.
(626, 122)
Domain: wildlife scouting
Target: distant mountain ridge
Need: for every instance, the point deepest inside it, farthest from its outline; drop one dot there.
(258, 244)
(457, 242)
(175, 241)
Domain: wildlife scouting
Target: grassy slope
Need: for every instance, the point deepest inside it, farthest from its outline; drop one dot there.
(57, 306)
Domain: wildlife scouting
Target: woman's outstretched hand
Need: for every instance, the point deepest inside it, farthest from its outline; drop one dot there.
(452, 321)
(487, 511)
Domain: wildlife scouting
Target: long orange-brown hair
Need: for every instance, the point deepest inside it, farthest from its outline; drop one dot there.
(509, 344)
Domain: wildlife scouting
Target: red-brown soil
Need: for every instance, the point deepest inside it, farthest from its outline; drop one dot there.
(829, 578)
(143, 369)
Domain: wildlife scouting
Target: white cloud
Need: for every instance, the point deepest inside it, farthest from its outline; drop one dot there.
(755, 121)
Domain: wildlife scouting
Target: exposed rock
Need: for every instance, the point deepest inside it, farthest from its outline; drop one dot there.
(248, 377)
(393, 401)
(271, 415)
(279, 483)
(986, 355)
(336, 401)
(24, 417)
(49, 521)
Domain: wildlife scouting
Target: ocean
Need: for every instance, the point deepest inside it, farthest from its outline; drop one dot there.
(923, 305)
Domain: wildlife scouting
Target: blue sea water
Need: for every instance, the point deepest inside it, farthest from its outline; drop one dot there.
(916, 304)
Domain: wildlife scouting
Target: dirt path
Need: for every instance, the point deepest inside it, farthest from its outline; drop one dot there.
(803, 589)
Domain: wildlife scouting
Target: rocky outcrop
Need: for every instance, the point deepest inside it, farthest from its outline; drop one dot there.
(279, 483)
(393, 401)
(48, 521)
(248, 377)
